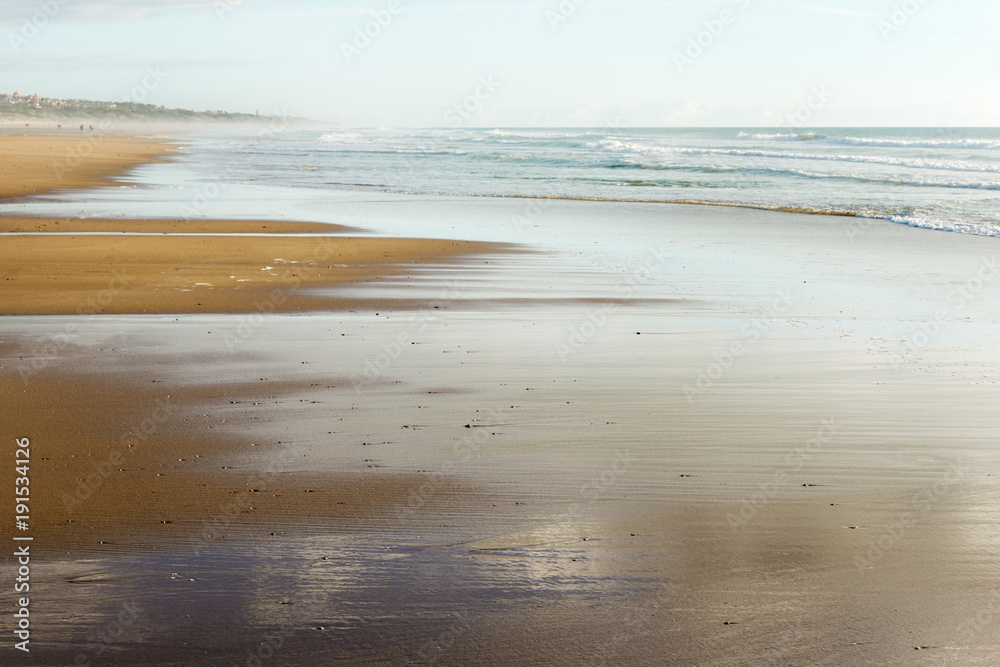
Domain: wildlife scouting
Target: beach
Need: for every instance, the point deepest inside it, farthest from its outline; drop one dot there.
(714, 436)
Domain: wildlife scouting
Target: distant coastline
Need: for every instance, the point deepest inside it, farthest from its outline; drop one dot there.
(15, 107)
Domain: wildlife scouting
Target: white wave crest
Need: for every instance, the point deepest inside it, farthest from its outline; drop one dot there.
(984, 144)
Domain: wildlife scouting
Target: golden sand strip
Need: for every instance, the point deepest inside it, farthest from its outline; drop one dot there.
(31, 164)
(173, 272)
(68, 274)
(23, 225)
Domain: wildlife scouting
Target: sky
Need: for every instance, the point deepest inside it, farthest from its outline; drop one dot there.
(510, 63)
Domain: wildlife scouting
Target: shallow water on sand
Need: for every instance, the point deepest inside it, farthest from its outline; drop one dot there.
(628, 487)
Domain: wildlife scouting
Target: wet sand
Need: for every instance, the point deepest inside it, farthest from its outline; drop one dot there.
(176, 273)
(478, 476)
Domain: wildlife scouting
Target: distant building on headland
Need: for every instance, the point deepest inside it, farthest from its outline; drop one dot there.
(18, 98)
(38, 101)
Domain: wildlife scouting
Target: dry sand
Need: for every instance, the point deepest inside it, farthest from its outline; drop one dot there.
(438, 485)
(34, 163)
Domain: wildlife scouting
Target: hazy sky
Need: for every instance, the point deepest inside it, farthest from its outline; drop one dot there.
(521, 62)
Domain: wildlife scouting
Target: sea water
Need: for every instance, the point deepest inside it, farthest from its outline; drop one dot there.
(946, 179)
(934, 178)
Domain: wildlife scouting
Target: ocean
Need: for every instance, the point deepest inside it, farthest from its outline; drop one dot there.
(946, 179)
